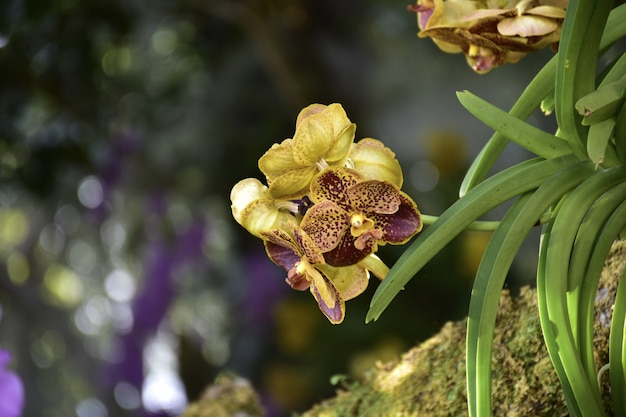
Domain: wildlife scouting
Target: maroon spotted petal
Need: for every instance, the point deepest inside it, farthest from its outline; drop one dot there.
(346, 252)
(332, 184)
(374, 197)
(336, 313)
(326, 223)
(399, 227)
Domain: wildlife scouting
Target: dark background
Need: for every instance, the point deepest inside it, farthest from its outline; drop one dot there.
(125, 284)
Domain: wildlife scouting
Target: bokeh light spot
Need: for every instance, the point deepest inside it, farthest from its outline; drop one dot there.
(13, 228)
(113, 234)
(97, 310)
(52, 239)
(120, 286)
(81, 256)
(67, 218)
(48, 348)
(91, 407)
(424, 176)
(117, 61)
(164, 41)
(163, 391)
(90, 192)
(62, 286)
(127, 396)
(18, 267)
(122, 316)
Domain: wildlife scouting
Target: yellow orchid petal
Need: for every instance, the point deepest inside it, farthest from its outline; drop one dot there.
(337, 117)
(375, 161)
(327, 293)
(350, 281)
(450, 13)
(278, 160)
(483, 14)
(293, 184)
(309, 111)
(254, 209)
(547, 11)
(322, 132)
(527, 26)
(262, 215)
(341, 145)
(309, 249)
(312, 140)
(244, 193)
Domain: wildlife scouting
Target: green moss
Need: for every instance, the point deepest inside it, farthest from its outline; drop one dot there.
(429, 380)
(230, 396)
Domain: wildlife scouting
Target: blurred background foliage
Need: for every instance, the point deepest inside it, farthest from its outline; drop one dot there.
(125, 284)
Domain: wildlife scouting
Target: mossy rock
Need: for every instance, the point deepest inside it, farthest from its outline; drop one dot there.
(429, 380)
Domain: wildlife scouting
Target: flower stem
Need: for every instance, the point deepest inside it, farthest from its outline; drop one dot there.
(374, 264)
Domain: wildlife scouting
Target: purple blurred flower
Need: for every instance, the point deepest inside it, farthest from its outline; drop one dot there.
(11, 388)
(162, 258)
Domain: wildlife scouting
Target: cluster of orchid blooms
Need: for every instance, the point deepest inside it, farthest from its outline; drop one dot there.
(491, 32)
(328, 204)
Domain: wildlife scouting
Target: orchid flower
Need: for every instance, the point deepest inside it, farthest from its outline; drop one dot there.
(323, 137)
(491, 33)
(353, 215)
(307, 269)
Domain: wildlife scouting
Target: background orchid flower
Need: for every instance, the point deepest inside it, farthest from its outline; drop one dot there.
(304, 263)
(491, 34)
(353, 215)
(254, 209)
(323, 137)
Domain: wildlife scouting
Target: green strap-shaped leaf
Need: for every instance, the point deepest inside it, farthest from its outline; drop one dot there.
(540, 87)
(492, 272)
(501, 187)
(529, 137)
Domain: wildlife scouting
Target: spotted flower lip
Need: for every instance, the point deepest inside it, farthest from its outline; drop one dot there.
(323, 137)
(307, 269)
(353, 215)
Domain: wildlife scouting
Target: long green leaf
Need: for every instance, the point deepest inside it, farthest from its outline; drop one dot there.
(547, 327)
(492, 272)
(529, 137)
(501, 187)
(576, 63)
(561, 295)
(540, 86)
(581, 276)
(529, 100)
